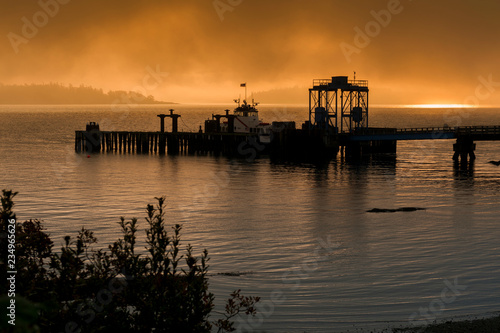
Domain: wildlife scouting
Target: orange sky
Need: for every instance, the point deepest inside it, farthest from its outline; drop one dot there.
(411, 51)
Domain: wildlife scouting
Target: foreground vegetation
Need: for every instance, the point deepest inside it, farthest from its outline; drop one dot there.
(486, 325)
(79, 289)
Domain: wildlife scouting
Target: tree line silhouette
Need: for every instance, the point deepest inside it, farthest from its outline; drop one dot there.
(55, 93)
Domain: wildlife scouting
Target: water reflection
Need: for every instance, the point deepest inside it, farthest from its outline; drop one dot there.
(267, 217)
(463, 170)
(464, 195)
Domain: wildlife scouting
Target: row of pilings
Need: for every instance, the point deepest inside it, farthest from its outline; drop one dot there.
(286, 143)
(160, 143)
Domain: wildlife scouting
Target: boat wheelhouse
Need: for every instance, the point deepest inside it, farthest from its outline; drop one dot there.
(247, 119)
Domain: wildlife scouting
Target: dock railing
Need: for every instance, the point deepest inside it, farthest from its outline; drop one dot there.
(328, 82)
(459, 130)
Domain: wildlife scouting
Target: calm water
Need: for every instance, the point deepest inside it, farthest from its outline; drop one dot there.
(299, 234)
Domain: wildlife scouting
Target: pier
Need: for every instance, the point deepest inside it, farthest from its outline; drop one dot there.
(159, 142)
(385, 140)
(93, 140)
(338, 122)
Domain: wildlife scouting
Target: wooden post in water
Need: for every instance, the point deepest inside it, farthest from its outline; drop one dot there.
(128, 138)
(77, 142)
(162, 143)
(140, 143)
(145, 143)
(156, 143)
(463, 148)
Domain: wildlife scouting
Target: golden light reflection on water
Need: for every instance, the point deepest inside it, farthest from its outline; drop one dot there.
(268, 219)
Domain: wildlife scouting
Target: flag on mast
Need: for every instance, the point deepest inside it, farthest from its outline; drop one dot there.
(243, 85)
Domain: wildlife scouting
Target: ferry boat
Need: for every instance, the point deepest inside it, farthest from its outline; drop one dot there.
(244, 119)
(247, 120)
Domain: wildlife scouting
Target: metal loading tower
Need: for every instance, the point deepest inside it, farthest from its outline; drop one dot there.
(338, 97)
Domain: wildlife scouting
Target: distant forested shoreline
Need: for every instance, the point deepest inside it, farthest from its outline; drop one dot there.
(55, 93)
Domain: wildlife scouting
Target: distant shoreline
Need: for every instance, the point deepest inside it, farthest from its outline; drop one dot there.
(58, 94)
(107, 104)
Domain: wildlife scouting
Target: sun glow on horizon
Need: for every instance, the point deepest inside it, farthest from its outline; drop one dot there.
(440, 106)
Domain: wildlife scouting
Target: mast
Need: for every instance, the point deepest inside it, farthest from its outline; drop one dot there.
(244, 85)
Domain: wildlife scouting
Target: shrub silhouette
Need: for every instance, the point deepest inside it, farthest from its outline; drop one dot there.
(79, 289)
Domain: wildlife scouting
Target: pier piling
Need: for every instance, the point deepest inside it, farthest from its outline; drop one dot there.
(464, 150)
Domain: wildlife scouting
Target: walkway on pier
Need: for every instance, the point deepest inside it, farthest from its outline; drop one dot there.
(377, 140)
(476, 133)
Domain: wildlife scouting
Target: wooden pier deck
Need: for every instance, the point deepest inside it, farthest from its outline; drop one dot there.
(159, 143)
(287, 143)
